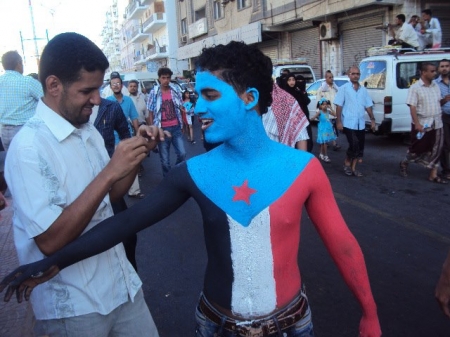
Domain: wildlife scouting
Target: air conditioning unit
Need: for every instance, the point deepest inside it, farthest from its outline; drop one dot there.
(328, 31)
(184, 39)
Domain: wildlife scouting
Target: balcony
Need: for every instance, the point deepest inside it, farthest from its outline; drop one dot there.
(198, 28)
(135, 10)
(157, 53)
(154, 22)
(138, 35)
(140, 59)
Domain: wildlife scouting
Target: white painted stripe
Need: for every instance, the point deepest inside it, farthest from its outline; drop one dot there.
(253, 290)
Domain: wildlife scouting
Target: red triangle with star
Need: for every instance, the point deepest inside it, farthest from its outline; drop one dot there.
(243, 192)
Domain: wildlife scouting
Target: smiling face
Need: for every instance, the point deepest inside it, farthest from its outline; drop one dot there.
(116, 85)
(76, 100)
(222, 111)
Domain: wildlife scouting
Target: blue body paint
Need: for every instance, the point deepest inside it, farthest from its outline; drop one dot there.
(242, 161)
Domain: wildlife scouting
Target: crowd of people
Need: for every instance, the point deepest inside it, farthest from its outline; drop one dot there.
(70, 235)
(419, 33)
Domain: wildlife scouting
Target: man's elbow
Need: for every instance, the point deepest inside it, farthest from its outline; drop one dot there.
(46, 245)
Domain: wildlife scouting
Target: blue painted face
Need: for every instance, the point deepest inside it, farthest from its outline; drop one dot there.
(222, 111)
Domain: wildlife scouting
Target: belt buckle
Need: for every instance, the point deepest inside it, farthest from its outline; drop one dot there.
(255, 331)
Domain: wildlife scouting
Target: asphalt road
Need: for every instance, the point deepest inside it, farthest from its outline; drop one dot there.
(401, 224)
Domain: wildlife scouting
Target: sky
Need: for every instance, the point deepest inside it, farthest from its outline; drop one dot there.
(86, 17)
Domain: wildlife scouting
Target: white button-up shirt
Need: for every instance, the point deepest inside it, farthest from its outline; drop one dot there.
(49, 164)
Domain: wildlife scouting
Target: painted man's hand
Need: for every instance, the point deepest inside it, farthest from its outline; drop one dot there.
(24, 279)
(369, 326)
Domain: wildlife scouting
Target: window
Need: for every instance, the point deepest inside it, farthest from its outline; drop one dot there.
(373, 74)
(407, 73)
(218, 10)
(183, 27)
(200, 14)
(242, 4)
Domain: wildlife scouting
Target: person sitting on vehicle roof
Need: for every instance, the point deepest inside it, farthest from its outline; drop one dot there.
(405, 35)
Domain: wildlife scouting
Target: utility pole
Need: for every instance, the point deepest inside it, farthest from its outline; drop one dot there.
(36, 49)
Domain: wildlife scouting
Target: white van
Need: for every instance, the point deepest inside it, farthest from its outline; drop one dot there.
(387, 75)
(296, 67)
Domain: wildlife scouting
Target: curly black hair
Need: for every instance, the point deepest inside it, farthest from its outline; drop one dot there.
(66, 54)
(242, 66)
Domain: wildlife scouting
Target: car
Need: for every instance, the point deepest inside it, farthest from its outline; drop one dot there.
(312, 90)
(387, 73)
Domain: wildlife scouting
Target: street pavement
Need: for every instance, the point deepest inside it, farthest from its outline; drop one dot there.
(16, 319)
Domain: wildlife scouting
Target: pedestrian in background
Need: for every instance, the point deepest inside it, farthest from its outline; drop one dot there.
(325, 133)
(19, 96)
(443, 81)
(427, 134)
(328, 90)
(352, 101)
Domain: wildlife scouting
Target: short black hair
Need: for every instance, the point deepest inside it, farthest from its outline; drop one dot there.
(424, 66)
(443, 60)
(133, 81)
(242, 66)
(427, 12)
(164, 71)
(67, 54)
(401, 17)
(10, 60)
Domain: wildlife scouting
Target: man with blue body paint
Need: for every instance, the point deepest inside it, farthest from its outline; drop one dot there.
(253, 285)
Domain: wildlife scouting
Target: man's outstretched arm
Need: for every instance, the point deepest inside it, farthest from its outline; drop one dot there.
(163, 201)
(343, 248)
(442, 292)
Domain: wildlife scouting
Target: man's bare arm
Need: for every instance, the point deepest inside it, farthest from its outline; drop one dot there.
(75, 217)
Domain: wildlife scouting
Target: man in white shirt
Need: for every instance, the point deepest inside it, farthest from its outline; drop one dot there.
(62, 181)
(405, 35)
(431, 32)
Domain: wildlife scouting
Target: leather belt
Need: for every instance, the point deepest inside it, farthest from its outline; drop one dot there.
(260, 327)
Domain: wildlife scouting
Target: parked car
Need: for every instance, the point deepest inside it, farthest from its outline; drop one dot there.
(312, 90)
(387, 75)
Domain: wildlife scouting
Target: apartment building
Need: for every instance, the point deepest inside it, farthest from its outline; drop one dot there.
(139, 37)
(329, 34)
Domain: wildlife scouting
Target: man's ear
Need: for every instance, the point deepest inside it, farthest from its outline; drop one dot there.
(53, 85)
(251, 98)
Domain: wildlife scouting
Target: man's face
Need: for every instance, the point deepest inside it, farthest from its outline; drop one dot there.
(77, 99)
(329, 78)
(426, 17)
(116, 85)
(354, 75)
(429, 74)
(444, 68)
(398, 22)
(133, 88)
(220, 108)
(164, 80)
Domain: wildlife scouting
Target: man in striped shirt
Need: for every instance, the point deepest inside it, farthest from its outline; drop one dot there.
(19, 96)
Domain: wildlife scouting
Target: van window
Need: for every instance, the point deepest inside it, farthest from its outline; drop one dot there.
(304, 71)
(373, 74)
(408, 73)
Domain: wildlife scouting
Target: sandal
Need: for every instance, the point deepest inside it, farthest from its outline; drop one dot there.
(356, 173)
(137, 196)
(438, 180)
(326, 159)
(348, 170)
(403, 169)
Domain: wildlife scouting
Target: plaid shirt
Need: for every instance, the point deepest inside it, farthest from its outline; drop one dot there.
(426, 99)
(110, 118)
(19, 96)
(155, 101)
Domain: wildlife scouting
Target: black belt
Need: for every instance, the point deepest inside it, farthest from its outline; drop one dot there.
(260, 327)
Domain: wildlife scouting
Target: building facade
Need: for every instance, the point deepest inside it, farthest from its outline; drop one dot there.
(138, 37)
(329, 34)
